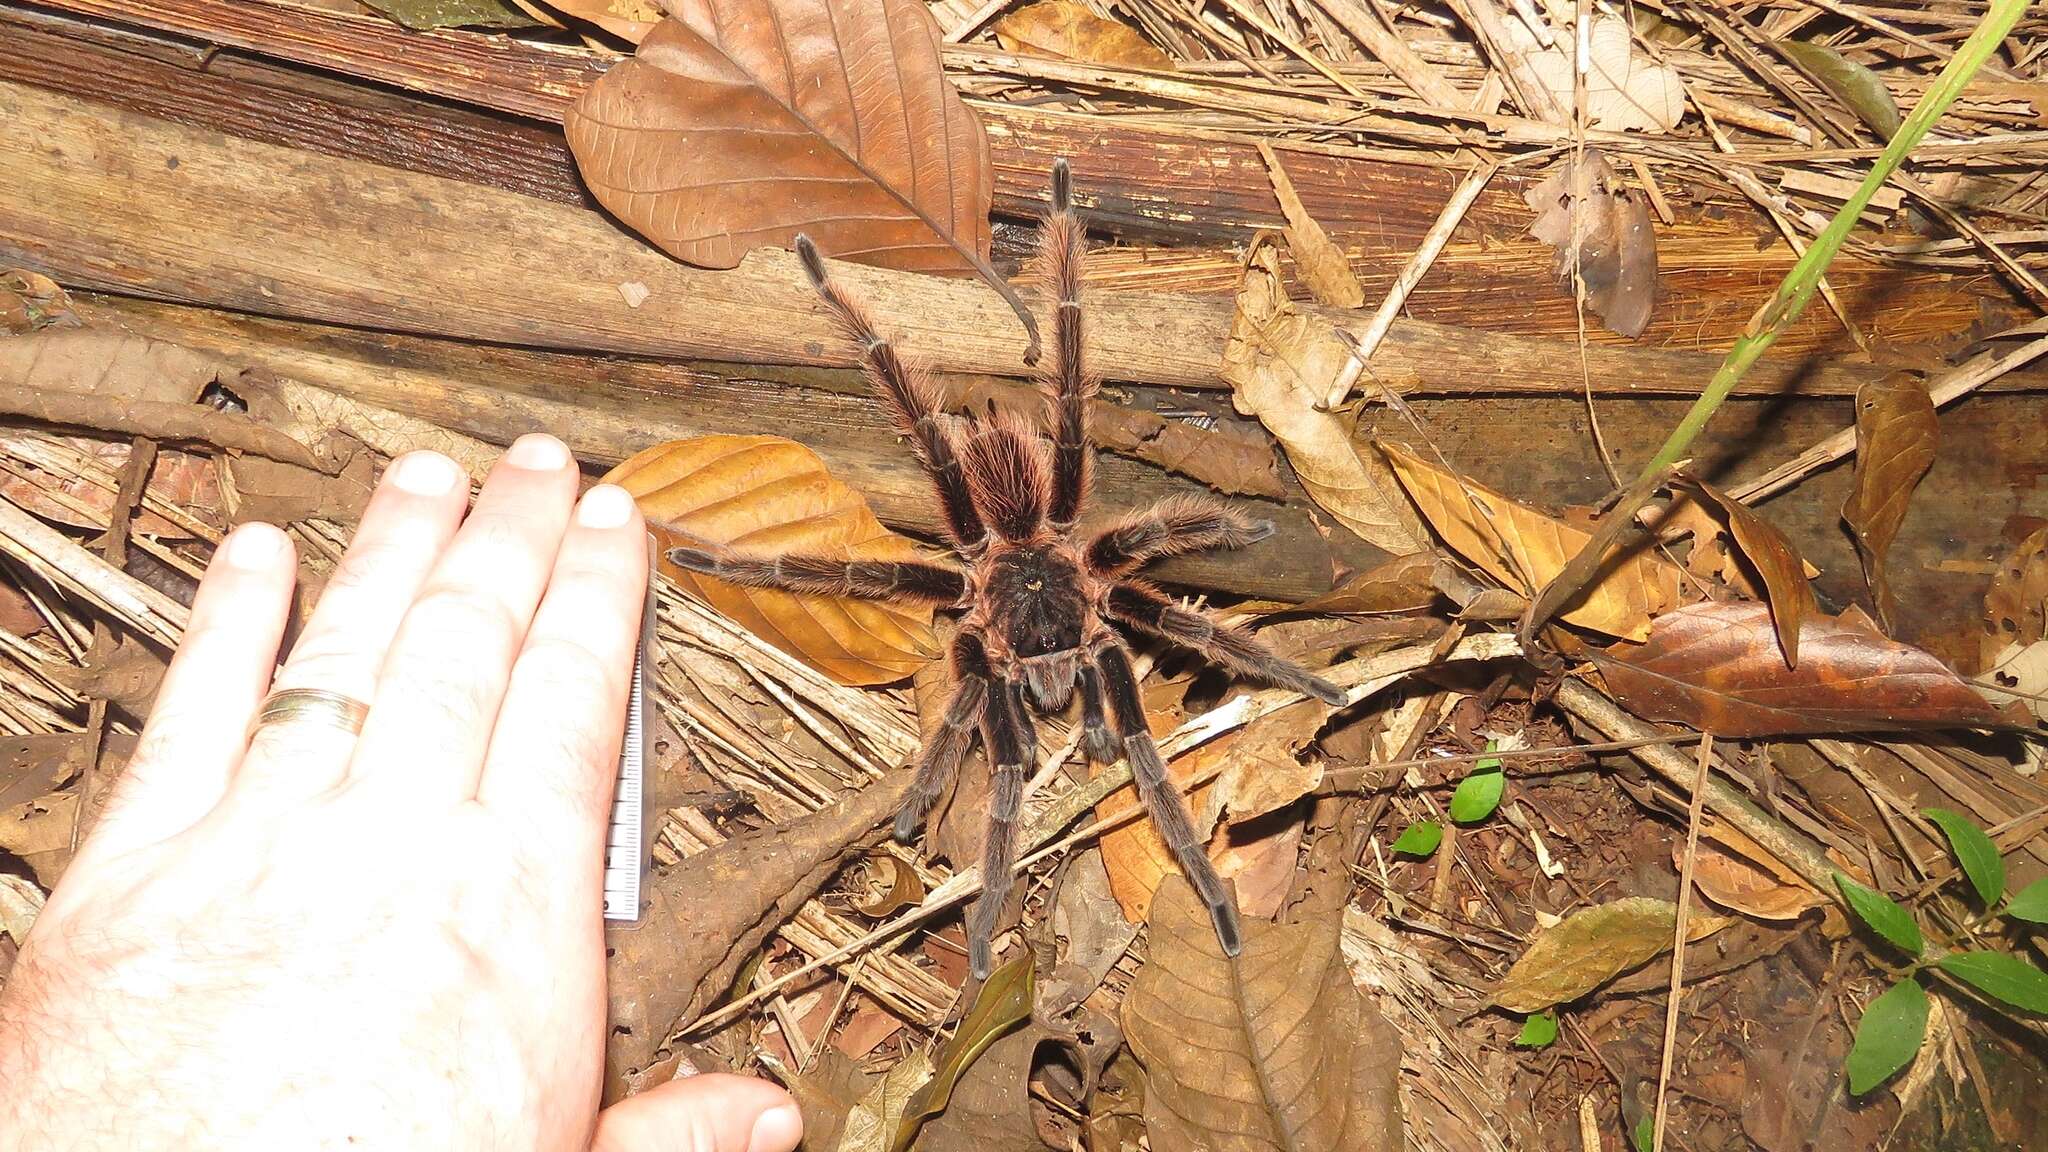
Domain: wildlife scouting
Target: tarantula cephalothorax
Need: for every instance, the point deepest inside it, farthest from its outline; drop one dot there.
(1038, 600)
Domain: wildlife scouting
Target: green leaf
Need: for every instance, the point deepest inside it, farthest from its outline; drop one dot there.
(1974, 851)
(1420, 838)
(1883, 914)
(1857, 87)
(2005, 978)
(1888, 1035)
(1003, 1003)
(1479, 793)
(1645, 1135)
(2031, 904)
(1538, 1031)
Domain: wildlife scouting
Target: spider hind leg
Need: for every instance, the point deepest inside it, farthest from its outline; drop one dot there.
(942, 754)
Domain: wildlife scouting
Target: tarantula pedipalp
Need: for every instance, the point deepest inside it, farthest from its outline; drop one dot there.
(1039, 602)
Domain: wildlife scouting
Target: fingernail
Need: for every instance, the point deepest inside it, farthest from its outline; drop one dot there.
(425, 473)
(777, 1130)
(254, 547)
(537, 453)
(605, 506)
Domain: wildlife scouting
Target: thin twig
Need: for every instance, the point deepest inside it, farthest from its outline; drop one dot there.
(1692, 848)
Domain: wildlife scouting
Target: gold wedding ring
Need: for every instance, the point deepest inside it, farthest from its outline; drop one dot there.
(292, 705)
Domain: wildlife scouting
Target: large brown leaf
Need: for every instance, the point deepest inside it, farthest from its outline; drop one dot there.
(1273, 1050)
(1896, 435)
(1516, 544)
(1717, 668)
(766, 496)
(740, 123)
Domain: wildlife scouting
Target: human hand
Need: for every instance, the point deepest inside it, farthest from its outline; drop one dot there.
(385, 940)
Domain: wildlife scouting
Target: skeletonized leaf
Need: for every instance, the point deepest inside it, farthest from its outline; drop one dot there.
(1776, 561)
(1515, 543)
(1069, 31)
(2016, 603)
(2007, 979)
(1888, 1035)
(1592, 946)
(1885, 916)
(1974, 851)
(1003, 1003)
(1274, 1049)
(766, 496)
(740, 123)
(1320, 264)
(1896, 435)
(1623, 91)
(1585, 214)
(1279, 362)
(1858, 88)
(1718, 668)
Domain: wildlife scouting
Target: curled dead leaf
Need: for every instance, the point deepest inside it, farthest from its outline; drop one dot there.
(1279, 362)
(1003, 1002)
(1897, 433)
(1592, 946)
(1516, 544)
(764, 495)
(1777, 563)
(1321, 265)
(1273, 1049)
(1069, 31)
(891, 886)
(1401, 584)
(1718, 668)
(1592, 221)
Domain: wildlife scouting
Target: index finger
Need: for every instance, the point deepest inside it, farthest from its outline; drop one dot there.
(554, 751)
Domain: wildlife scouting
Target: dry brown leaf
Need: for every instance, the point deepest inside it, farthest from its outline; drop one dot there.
(1069, 31)
(1583, 212)
(1592, 946)
(2016, 603)
(629, 20)
(1318, 261)
(991, 1108)
(1622, 91)
(1279, 363)
(20, 902)
(1259, 858)
(872, 1123)
(740, 123)
(1275, 1049)
(1515, 543)
(1776, 561)
(1736, 883)
(766, 496)
(826, 1094)
(179, 477)
(1401, 584)
(1096, 935)
(31, 300)
(2022, 669)
(1265, 771)
(1896, 436)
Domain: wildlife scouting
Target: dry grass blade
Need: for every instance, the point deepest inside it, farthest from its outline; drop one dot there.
(1274, 1049)
(1897, 433)
(766, 496)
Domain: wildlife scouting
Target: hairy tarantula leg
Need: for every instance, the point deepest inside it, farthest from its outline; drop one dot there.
(909, 395)
(942, 755)
(828, 576)
(1096, 740)
(1162, 802)
(1169, 528)
(1013, 749)
(1148, 610)
(1062, 242)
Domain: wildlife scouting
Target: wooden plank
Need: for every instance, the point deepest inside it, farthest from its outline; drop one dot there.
(1717, 264)
(608, 408)
(124, 202)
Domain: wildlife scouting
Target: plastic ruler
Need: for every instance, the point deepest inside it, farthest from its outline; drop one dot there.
(625, 852)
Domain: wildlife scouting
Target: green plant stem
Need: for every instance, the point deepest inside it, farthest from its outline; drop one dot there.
(1799, 284)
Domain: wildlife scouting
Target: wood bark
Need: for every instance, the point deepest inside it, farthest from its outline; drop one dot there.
(119, 201)
(1718, 258)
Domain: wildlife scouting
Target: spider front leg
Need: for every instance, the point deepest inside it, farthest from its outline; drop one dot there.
(1062, 242)
(1148, 610)
(942, 754)
(1012, 741)
(1096, 740)
(828, 576)
(1162, 802)
(1170, 528)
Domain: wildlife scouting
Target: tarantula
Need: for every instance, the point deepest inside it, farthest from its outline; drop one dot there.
(1039, 602)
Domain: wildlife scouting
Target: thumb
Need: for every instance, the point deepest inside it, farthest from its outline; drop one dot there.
(712, 1112)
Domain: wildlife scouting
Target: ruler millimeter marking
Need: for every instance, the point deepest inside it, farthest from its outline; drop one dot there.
(625, 849)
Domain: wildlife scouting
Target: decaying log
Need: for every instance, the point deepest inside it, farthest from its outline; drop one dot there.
(283, 232)
(1718, 259)
(608, 408)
